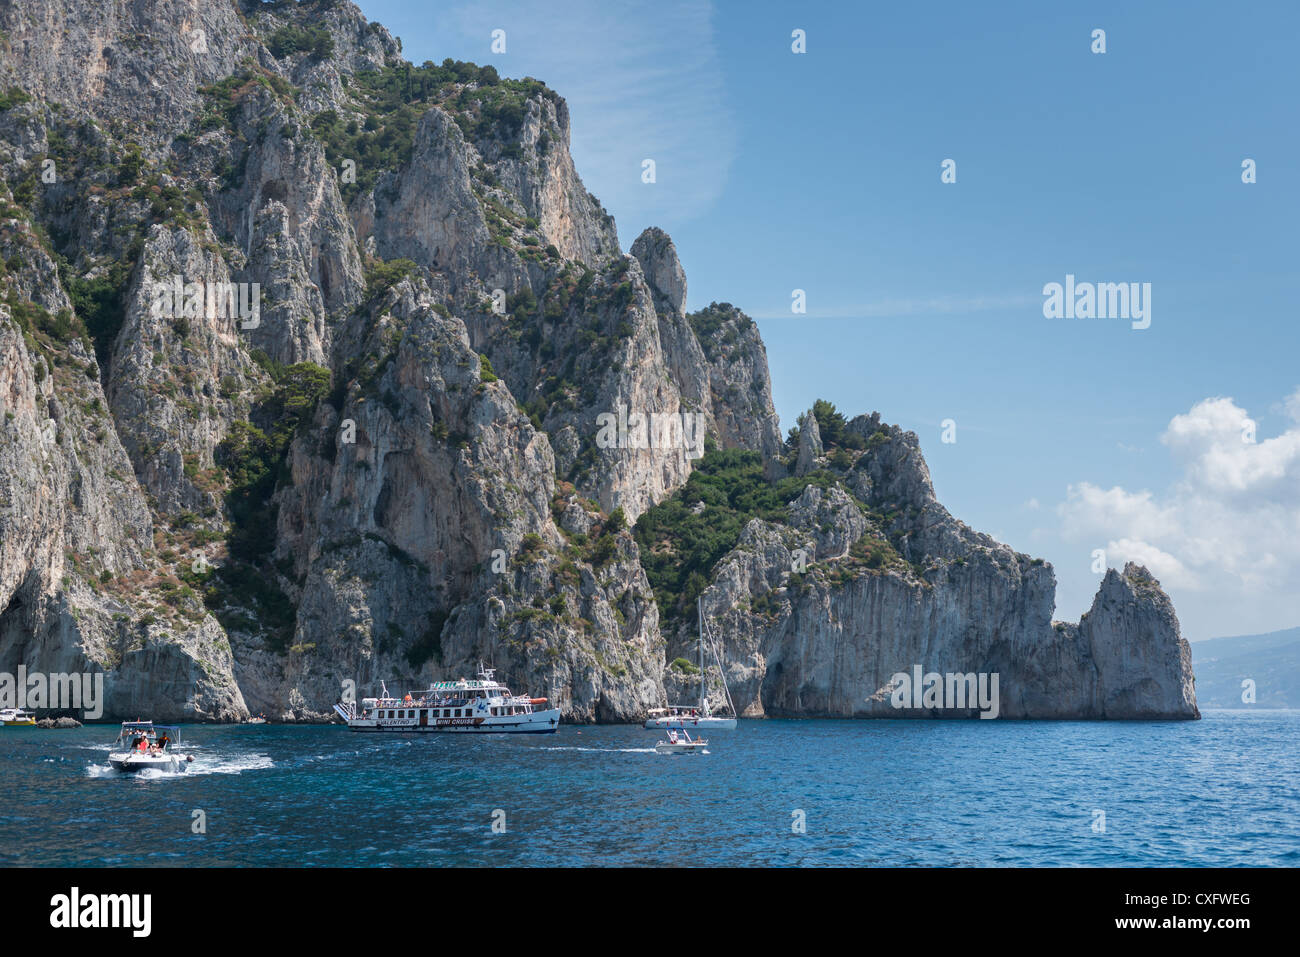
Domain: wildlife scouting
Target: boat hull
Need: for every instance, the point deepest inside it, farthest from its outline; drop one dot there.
(539, 722)
(132, 763)
(17, 718)
(694, 747)
(691, 724)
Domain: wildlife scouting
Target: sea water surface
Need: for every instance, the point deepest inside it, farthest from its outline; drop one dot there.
(1221, 791)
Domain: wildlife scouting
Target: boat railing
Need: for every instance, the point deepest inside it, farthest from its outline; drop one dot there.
(432, 699)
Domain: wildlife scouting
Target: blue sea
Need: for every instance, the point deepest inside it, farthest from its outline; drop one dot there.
(1221, 791)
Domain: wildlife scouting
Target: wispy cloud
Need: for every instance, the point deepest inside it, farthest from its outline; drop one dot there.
(656, 92)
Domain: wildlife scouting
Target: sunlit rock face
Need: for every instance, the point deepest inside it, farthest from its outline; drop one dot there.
(421, 438)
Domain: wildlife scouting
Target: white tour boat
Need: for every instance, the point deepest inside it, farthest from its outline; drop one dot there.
(143, 744)
(484, 706)
(681, 742)
(17, 718)
(682, 716)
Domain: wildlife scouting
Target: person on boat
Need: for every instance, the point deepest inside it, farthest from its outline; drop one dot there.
(672, 737)
(143, 745)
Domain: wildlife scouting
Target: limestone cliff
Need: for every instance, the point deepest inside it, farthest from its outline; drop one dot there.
(322, 367)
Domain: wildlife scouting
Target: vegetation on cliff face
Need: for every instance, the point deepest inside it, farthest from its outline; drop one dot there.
(45, 334)
(223, 100)
(382, 276)
(839, 443)
(684, 536)
(100, 302)
(388, 104)
(253, 455)
(289, 40)
(708, 323)
(13, 96)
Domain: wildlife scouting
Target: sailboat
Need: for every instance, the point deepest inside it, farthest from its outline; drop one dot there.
(683, 716)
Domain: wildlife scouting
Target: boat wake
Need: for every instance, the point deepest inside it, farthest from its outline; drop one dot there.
(606, 750)
(236, 764)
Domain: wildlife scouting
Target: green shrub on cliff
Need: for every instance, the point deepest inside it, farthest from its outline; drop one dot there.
(13, 96)
(389, 103)
(685, 535)
(382, 276)
(289, 40)
(100, 302)
(253, 456)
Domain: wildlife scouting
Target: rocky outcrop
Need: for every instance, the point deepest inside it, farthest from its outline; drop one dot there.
(287, 223)
(822, 612)
(62, 724)
(424, 533)
(655, 251)
(537, 168)
(78, 568)
(424, 448)
(740, 391)
(428, 212)
(142, 63)
(810, 445)
(1144, 667)
(178, 377)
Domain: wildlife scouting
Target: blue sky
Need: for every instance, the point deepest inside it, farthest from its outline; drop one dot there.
(821, 172)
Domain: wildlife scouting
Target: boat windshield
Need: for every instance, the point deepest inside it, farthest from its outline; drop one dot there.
(163, 735)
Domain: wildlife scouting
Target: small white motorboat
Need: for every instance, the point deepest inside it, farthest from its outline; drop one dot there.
(17, 718)
(142, 744)
(680, 742)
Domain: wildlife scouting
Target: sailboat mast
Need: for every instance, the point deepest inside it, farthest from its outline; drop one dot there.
(699, 627)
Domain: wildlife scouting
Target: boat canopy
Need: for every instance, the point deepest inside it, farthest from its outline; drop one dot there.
(149, 729)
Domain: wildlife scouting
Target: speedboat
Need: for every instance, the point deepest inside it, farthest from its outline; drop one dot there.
(142, 744)
(680, 742)
(17, 718)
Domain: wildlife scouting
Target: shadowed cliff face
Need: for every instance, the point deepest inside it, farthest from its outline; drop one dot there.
(404, 398)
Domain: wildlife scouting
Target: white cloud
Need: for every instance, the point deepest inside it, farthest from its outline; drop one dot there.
(1213, 443)
(1225, 537)
(1292, 405)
